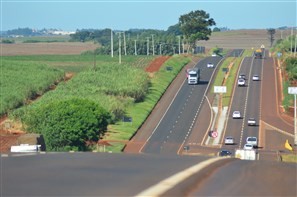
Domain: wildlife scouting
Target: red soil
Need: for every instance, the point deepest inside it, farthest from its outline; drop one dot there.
(156, 64)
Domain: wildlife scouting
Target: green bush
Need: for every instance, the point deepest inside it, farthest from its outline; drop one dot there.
(68, 124)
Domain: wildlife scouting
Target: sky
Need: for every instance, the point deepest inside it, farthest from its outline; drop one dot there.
(70, 15)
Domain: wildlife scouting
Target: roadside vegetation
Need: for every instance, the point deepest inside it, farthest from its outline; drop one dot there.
(23, 81)
(282, 49)
(227, 78)
(122, 131)
(115, 88)
(292, 158)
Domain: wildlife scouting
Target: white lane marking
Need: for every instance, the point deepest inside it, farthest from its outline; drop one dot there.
(245, 105)
(205, 92)
(167, 184)
(165, 112)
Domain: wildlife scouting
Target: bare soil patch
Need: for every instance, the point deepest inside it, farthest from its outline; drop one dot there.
(156, 64)
(61, 48)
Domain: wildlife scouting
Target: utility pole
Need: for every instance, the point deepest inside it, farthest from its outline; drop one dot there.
(147, 46)
(295, 44)
(111, 42)
(291, 41)
(153, 44)
(179, 45)
(120, 58)
(183, 46)
(135, 47)
(125, 44)
(161, 48)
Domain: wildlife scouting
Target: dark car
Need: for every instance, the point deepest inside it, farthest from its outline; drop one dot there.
(225, 153)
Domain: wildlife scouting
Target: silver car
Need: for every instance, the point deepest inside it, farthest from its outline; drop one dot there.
(229, 140)
(252, 140)
(236, 114)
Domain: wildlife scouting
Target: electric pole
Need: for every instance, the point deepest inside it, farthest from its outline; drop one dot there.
(147, 46)
(153, 44)
(120, 58)
(179, 45)
(125, 44)
(161, 48)
(291, 40)
(135, 47)
(111, 42)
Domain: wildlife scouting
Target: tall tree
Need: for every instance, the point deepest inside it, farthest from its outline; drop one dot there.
(196, 25)
(271, 33)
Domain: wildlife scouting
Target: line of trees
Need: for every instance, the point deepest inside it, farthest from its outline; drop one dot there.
(178, 38)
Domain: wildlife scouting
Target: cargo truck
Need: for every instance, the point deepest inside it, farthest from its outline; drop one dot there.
(193, 75)
(258, 53)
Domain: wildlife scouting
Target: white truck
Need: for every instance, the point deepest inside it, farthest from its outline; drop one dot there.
(193, 75)
(246, 154)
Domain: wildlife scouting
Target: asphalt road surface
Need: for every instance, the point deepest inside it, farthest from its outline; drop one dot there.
(110, 174)
(177, 122)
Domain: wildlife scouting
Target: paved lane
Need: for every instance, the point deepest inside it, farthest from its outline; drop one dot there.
(178, 121)
(87, 174)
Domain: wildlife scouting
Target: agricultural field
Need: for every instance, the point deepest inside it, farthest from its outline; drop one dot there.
(22, 82)
(116, 87)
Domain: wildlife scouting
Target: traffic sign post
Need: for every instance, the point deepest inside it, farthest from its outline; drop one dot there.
(293, 90)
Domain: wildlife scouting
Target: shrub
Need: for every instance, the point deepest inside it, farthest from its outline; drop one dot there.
(68, 124)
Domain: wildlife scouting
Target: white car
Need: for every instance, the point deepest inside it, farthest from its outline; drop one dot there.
(252, 140)
(248, 147)
(241, 82)
(256, 78)
(236, 114)
(252, 122)
(214, 55)
(241, 76)
(210, 65)
(229, 140)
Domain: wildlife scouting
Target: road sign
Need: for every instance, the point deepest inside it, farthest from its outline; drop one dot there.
(262, 46)
(220, 89)
(214, 134)
(292, 90)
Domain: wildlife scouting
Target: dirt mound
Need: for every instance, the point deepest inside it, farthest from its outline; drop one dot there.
(156, 64)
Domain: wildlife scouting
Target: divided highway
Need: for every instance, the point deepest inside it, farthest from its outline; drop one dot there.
(246, 100)
(177, 122)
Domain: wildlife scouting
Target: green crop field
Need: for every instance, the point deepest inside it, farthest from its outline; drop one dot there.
(122, 89)
(22, 81)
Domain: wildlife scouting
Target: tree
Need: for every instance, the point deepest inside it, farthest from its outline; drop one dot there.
(196, 25)
(216, 29)
(271, 33)
(69, 124)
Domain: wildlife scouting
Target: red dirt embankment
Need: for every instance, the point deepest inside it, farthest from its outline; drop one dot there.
(156, 64)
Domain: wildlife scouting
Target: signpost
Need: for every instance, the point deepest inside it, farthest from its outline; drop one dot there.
(220, 89)
(293, 90)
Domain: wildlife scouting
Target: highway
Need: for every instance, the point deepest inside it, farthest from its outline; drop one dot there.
(246, 100)
(177, 122)
(106, 174)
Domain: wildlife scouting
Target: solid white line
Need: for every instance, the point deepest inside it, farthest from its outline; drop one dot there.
(245, 105)
(167, 184)
(165, 113)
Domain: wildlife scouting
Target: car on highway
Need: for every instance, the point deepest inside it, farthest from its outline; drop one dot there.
(229, 140)
(256, 78)
(236, 114)
(241, 76)
(210, 65)
(248, 147)
(214, 55)
(252, 140)
(241, 82)
(252, 122)
(225, 153)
